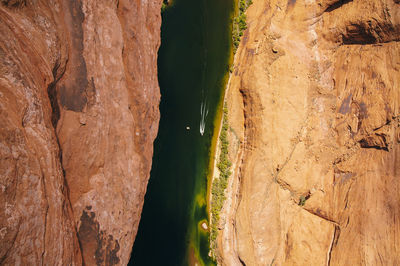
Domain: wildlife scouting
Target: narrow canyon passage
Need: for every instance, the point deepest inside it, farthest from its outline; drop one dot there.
(306, 166)
(193, 66)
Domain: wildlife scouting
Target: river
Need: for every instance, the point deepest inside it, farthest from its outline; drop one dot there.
(193, 66)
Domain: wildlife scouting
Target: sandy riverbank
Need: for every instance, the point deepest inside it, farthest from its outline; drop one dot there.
(226, 241)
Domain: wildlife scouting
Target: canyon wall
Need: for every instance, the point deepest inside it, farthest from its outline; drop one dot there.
(78, 113)
(315, 130)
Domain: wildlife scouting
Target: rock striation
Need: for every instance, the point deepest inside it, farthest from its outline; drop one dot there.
(78, 113)
(314, 108)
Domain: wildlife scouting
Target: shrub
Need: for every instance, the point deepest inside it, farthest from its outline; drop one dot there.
(302, 200)
(239, 23)
(219, 184)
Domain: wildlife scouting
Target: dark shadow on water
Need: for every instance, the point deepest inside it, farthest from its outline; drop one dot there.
(193, 59)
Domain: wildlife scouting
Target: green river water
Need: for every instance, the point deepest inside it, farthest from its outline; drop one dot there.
(193, 66)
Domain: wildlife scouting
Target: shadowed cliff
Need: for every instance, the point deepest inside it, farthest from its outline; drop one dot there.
(78, 114)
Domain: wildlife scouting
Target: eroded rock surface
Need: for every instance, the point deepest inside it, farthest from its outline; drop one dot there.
(78, 114)
(314, 103)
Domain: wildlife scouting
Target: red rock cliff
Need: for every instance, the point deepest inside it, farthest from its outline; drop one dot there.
(78, 114)
(314, 104)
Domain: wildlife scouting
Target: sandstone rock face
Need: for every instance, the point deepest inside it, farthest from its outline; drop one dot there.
(314, 103)
(78, 113)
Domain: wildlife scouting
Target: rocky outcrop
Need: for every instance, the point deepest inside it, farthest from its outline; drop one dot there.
(314, 104)
(78, 113)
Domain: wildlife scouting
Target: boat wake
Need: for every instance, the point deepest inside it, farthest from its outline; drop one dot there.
(204, 91)
(203, 117)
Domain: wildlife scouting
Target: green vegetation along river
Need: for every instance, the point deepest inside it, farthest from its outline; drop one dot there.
(193, 66)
